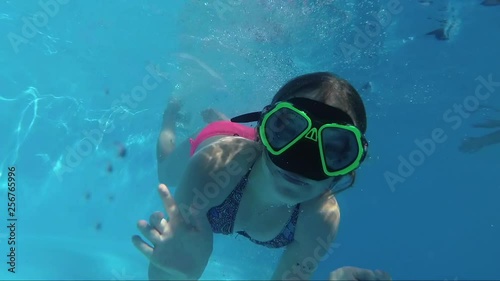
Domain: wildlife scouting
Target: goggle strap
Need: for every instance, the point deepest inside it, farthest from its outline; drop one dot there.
(247, 118)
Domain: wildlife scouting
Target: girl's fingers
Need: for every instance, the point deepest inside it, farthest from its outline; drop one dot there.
(168, 201)
(142, 246)
(157, 221)
(149, 232)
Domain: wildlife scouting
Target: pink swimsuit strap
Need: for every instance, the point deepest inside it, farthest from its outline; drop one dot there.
(222, 128)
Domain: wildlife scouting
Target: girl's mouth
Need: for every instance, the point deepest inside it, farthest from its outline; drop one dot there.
(292, 178)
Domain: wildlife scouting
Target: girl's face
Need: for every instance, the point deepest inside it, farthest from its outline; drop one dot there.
(293, 188)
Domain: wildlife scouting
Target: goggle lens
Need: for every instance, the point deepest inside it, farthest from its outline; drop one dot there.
(340, 148)
(283, 127)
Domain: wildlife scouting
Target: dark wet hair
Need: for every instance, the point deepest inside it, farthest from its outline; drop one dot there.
(330, 89)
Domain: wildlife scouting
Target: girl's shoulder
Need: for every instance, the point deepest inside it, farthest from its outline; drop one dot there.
(229, 150)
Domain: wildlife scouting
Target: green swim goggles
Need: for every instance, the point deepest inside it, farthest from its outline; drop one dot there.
(312, 139)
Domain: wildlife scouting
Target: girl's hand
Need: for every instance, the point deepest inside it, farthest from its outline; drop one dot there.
(349, 273)
(181, 244)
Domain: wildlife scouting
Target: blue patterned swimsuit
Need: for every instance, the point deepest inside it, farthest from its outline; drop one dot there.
(222, 218)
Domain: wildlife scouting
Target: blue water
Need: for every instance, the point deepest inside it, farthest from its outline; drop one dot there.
(61, 83)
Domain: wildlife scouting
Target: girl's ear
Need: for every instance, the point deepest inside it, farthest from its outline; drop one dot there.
(266, 108)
